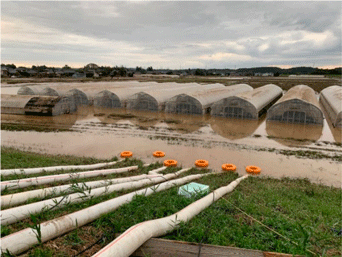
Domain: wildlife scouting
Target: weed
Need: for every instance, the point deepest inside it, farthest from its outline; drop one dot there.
(36, 228)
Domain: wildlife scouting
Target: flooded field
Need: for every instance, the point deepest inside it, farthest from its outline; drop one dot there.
(280, 150)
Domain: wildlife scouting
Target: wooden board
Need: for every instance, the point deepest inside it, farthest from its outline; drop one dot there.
(156, 247)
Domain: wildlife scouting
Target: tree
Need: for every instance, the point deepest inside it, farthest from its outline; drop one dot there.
(122, 71)
(12, 66)
(150, 68)
(41, 68)
(140, 69)
(66, 67)
(199, 72)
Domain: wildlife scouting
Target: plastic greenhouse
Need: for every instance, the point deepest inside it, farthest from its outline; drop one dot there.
(156, 99)
(298, 105)
(331, 99)
(200, 101)
(247, 105)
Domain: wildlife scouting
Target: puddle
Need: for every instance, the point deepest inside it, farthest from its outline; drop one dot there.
(9, 90)
(110, 143)
(104, 133)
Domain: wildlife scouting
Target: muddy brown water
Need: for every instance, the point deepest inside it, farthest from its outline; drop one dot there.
(104, 133)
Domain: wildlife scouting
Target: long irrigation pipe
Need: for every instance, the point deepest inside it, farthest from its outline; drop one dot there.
(25, 239)
(135, 236)
(27, 171)
(12, 200)
(22, 183)
(156, 171)
(16, 214)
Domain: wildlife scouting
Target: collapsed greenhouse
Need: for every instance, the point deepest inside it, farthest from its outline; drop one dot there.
(331, 99)
(40, 105)
(48, 105)
(200, 101)
(247, 105)
(155, 99)
(298, 105)
(14, 104)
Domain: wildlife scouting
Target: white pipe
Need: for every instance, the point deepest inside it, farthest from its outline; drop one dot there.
(156, 171)
(135, 236)
(23, 240)
(21, 183)
(27, 171)
(12, 200)
(16, 214)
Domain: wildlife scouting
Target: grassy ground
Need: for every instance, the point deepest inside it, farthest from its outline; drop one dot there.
(307, 216)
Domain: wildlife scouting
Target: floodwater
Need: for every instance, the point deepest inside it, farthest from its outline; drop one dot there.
(104, 133)
(9, 90)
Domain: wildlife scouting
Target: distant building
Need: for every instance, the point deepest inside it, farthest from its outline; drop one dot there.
(266, 74)
(91, 66)
(79, 75)
(4, 72)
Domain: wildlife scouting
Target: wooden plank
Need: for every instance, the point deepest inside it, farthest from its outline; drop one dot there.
(156, 247)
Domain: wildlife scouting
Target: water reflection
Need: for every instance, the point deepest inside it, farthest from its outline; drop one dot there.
(286, 133)
(234, 128)
(183, 123)
(337, 133)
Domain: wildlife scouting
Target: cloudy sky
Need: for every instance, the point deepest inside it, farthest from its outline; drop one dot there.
(171, 34)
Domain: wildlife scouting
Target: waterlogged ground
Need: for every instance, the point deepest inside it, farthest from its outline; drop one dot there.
(312, 152)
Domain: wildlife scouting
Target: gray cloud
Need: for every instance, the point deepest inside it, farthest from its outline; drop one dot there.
(173, 34)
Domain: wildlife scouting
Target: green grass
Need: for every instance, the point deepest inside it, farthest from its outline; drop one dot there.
(12, 158)
(308, 215)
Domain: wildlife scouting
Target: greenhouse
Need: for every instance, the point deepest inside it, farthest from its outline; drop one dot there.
(30, 90)
(200, 101)
(247, 105)
(116, 97)
(78, 96)
(331, 99)
(107, 99)
(155, 99)
(298, 105)
(48, 91)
